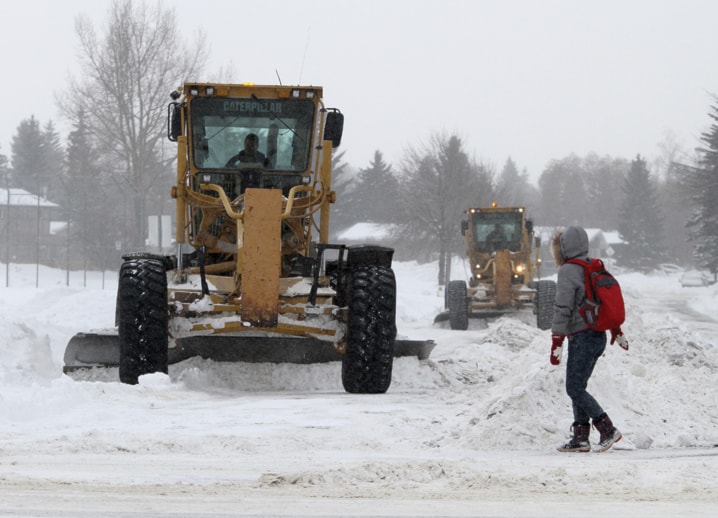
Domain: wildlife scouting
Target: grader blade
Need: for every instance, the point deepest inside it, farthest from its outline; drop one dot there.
(88, 350)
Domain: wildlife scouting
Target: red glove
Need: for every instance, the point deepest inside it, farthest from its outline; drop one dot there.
(556, 348)
(618, 336)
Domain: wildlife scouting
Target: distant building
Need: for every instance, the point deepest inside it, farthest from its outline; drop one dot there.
(28, 227)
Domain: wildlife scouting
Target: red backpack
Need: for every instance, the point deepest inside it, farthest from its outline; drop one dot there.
(603, 308)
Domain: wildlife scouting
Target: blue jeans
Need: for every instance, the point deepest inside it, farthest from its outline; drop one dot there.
(584, 350)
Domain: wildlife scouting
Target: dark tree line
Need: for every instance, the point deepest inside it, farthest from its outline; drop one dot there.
(425, 198)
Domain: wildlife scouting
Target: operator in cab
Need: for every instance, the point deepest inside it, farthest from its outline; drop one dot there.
(496, 235)
(250, 153)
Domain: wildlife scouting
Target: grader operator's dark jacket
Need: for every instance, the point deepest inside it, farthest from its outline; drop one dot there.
(572, 243)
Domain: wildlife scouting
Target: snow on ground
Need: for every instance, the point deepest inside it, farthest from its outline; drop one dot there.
(470, 432)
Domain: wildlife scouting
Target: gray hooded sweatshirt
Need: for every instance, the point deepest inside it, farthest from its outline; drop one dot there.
(570, 285)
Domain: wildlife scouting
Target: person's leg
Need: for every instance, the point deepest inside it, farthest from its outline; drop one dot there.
(584, 350)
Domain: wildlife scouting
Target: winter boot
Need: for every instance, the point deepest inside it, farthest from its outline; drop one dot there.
(579, 442)
(609, 433)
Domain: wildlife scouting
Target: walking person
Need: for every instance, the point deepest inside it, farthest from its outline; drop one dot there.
(585, 346)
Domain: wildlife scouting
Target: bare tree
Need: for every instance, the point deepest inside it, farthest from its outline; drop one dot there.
(128, 73)
(439, 183)
(674, 198)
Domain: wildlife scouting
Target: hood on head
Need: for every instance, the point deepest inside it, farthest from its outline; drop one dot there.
(572, 242)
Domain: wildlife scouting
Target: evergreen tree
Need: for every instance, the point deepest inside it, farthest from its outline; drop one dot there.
(87, 201)
(38, 158)
(27, 162)
(4, 170)
(375, 195)
(343, 182)
(603, 199)
(340, 172)
(563, 192)
(52, 157)
(641, 222)
(513, 188)
(702, 183)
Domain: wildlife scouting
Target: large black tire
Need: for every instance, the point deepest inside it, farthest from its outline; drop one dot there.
(143, 318)
(371, 330)
(458, 305)
(545, 298)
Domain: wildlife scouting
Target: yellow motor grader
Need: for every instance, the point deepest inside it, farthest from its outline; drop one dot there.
(254, 277)
(505, 262)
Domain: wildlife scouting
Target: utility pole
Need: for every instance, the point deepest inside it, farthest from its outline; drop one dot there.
(37, 245)
(7, 231)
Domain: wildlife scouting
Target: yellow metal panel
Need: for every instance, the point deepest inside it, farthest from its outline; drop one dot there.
(502, 278)
(261, 256)
(327, 185)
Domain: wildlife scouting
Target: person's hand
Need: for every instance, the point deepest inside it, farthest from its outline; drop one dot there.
(556, 348)
(617, 336)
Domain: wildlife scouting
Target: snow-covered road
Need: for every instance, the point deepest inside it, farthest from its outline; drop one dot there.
(470, 432)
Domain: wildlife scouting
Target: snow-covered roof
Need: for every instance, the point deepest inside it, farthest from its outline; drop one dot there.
(22, 198)
(363, 231)
(57, 226)
(593, 233)
(613, 238)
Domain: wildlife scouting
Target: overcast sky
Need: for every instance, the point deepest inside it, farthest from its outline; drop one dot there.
(533, 80)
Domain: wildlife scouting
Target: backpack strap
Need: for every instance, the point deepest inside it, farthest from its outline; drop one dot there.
(588, 285)
(582, 262)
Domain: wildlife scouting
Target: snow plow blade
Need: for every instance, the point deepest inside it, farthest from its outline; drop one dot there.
(484, 313)
(88, 350)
